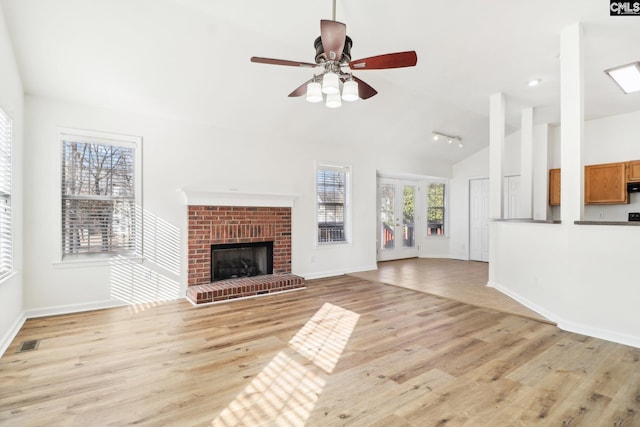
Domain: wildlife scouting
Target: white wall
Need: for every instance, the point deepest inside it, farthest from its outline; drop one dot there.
(583, 277)
(11, 101)
(189, 155)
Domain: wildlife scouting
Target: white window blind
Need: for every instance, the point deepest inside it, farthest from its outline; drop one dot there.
(99, 195)
(6, 233)
(332, 191)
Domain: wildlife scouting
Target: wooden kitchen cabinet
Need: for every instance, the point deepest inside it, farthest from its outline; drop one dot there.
(633, 171)
(554, 187)
(605, 184)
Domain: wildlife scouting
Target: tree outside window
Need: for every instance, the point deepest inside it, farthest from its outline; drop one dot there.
(98, 198)
(435, 209)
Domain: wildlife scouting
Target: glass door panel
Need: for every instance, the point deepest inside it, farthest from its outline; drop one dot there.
(408, 211)
(397, 208)
(387, 216)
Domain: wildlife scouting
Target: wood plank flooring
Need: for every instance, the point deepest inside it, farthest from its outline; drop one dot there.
(463, 281)
(345, 351)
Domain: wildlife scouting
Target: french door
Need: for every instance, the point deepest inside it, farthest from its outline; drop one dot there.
(398, 204)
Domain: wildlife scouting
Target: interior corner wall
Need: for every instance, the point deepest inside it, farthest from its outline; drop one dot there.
(11, 102)
(581, 276)
(180, 154)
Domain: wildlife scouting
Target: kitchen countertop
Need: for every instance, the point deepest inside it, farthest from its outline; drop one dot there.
(633, 223)
(528, 221)
(554, 221)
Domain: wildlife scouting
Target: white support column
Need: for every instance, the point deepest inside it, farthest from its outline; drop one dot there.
(572, 124)
(541, 172)
(496, 153)
(525, 209)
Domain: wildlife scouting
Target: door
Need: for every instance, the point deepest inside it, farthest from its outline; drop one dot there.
(479, 220)
(396, 219)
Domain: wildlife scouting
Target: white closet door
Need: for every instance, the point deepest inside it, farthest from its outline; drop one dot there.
(479, 220)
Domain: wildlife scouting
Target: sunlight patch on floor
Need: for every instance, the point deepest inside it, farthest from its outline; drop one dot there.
(324, 337)
(285, 392)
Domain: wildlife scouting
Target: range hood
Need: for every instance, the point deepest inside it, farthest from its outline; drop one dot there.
(633, 187)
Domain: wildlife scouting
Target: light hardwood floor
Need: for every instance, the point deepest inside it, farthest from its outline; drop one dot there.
(344, 351)
(463, 281)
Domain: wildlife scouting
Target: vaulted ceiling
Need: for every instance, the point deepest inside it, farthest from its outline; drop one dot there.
(189, 59)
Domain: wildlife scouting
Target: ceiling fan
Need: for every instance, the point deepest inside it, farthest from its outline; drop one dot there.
(333, 57)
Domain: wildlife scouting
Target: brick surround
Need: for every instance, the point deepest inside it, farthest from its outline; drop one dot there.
(210, 225)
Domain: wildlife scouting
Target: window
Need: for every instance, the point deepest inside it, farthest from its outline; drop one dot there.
(6, 228)
(435, 208)
(100, 190)
(332, 191)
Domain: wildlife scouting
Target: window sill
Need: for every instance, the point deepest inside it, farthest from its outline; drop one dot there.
(332, 244)
(96, 260)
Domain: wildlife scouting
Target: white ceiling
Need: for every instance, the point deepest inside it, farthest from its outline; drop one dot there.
(189, 59)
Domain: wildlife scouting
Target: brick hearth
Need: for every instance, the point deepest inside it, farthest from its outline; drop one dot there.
(244, 287)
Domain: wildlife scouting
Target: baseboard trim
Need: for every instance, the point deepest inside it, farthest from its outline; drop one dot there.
(524, 301)
(569, 325)
(459, 258)
(73, 308)
(11, 334)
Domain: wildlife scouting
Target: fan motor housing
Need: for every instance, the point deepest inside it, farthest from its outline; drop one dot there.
(346, 51)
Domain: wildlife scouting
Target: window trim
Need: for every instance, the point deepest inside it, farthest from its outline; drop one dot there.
(10, 271)
(338, 167)
(99, 137)
(445, 232)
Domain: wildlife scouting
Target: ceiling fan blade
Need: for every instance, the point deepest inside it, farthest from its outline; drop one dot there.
(390, 60)
(333, 35)
(282, 62)
(364, 90)
(301, 90)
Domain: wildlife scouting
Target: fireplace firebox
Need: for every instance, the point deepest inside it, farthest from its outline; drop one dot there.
(232, 260)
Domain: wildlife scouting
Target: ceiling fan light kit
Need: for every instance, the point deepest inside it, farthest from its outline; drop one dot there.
(334, 100)
(314, 92)
(330, 83)
(350, 91)
(333, 55)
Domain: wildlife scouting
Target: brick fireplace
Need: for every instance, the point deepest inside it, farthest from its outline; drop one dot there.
(230, 219)
(216, 225)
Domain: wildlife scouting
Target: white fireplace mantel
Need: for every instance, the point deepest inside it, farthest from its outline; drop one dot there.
(237, 198)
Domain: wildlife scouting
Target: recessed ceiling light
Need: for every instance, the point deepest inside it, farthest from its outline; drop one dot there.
(626, 76)
(534, 82)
